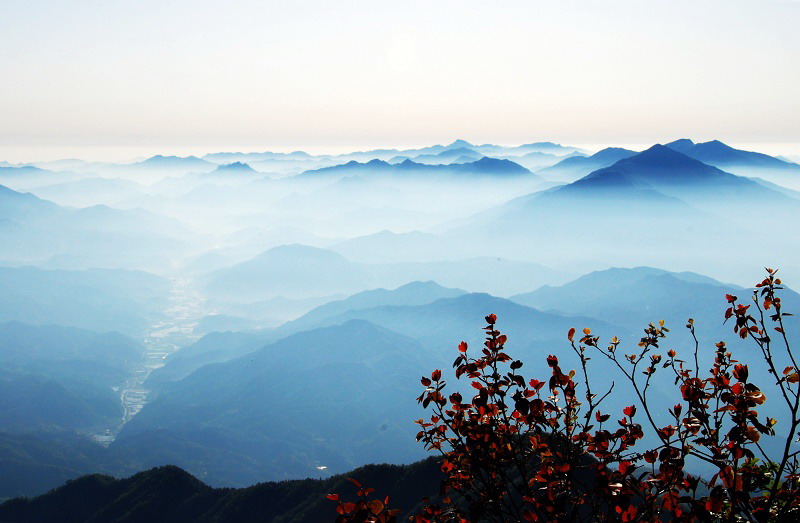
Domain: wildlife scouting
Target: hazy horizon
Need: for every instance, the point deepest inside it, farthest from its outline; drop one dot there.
(129, 154)
(157, 77)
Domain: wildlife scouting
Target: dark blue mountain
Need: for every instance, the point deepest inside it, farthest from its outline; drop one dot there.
(280, 411)
(448, 155)
(667, 171)
(222, 346)
(491, 166)
(59, 378)
(659, 193)
(437, 324)
(575, 167)
(724, 156)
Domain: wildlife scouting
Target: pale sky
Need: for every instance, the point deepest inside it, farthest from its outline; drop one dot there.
(184, 76)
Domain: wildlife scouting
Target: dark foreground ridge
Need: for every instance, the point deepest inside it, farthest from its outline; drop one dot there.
(171, 494)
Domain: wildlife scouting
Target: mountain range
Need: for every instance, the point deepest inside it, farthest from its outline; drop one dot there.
(576, 167)
(38, 231)
(485, 166)
(308, 293)
(171, 494)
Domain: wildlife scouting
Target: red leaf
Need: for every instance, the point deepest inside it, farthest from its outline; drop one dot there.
(333, 497)
(629, 411)
(462, 346)
(571, 334)
(376, 506)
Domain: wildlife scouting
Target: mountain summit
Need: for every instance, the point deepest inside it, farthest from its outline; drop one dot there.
(721, 155)
(234, 167)
(663, 169)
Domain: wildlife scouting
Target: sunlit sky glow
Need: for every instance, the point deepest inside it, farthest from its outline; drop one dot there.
(128, 78)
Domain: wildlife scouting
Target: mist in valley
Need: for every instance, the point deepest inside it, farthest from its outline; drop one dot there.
(225, 313)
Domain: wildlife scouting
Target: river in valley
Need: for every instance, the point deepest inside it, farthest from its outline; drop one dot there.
(173, 331)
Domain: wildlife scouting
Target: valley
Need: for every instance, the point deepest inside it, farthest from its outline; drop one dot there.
(235, 339)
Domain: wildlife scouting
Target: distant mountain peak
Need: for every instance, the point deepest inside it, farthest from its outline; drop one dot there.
(161, 157)
(724, 156)
(408, 164)
(234, 166)
(542, 144)
(458, 151)
(459, 144)
(661, 154)
(681, 145)
(715, 144)
(610, 152)
(161, 160)
(492, 165)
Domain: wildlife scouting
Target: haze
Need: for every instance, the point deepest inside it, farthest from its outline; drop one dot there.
(156, 75)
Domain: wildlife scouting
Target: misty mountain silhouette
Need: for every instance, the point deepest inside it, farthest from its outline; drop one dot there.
(228, 157)
(248, 406)
(238, 167)
(89, 191)
(485, 166)
(446, 156)
(721, 155)
(40, 230)
(613, 210)
(172, 162)
(55, 378)
(22, 170)
(389, 247)
(217, 347)
(96, 299)
(24, 207)
(459, 144)
(669, 172)
(414, 293)
(288, 270)
(576, 167)
(437, 324)
(648, 292)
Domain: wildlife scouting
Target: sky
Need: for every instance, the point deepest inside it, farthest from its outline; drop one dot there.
(128, 78)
